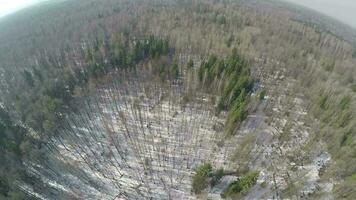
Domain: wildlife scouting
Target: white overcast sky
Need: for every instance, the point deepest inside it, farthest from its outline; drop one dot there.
(10, 6)
(343, 10)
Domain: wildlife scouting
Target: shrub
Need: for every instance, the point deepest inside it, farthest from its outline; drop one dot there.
(241, 185)
(204, 170)
(352, 177)
(353, 87)
(345, 102)
(201, 178)
(346, 138)
(199, 183)
(323, 102)
(344, 119)
(237, 114)
(190, 64)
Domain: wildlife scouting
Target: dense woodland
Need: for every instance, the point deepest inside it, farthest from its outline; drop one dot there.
(56, 54)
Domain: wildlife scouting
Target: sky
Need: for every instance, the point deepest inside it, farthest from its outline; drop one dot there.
(342, 10)
(10, 6)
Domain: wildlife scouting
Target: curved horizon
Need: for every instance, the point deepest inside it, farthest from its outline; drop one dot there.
(12, 6)
(343, 11)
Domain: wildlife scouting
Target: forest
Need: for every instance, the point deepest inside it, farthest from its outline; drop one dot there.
(142, 99)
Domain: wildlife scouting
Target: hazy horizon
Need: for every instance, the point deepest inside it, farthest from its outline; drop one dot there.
(8, 7)
(342, 10)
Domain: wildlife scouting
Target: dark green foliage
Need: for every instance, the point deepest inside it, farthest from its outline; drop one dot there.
(37, 75)
(345, 102)
(175, 71)
(28, 78)
(4, 187)
(323, 102)
(216, 176)
(150, 47)
(346, 138)
(46, 93)
(41, 106)
(43, 110)
(237, 85)
(204, 175)
(344, 119)
(353, 87)
(199, 183)
(201, 178)
(12, 136)
(204, 170)
(123, 52)
(237, 113)
(50, 91)
(242, 185)
(329, 66)
(190, 64)
(352, 177)
(96, 70)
